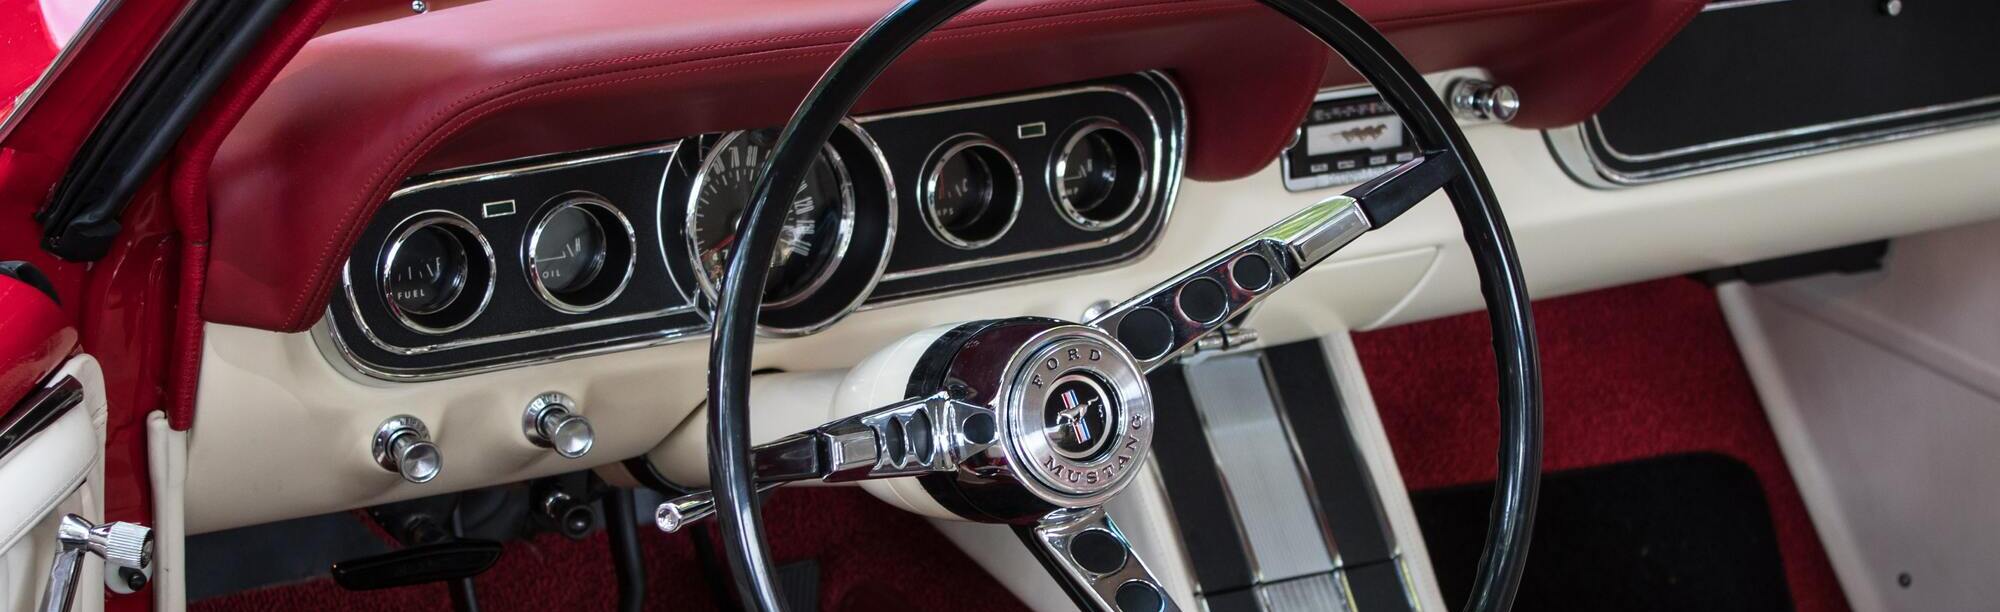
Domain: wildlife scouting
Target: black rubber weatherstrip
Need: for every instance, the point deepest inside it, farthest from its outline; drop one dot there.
(1401, 86)
(146, 121)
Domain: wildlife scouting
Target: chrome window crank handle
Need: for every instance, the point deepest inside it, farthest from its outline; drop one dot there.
(121, 544)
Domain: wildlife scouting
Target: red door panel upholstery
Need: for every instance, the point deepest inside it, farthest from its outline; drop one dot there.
(362, 108)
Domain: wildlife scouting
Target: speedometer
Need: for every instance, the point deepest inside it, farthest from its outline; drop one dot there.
(819, 217)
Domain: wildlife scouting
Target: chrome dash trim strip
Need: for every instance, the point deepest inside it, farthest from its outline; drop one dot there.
(448, 180)
(1723, 5)
(1597, 130)
(1573, 152)
(332, 345)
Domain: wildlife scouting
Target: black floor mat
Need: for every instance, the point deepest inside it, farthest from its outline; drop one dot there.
(1675, 533)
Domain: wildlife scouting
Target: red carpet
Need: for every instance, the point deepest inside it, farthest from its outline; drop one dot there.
(1629, 373)
(872, 557)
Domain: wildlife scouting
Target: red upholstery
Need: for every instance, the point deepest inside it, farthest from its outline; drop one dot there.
(362, 108)
(35, 336)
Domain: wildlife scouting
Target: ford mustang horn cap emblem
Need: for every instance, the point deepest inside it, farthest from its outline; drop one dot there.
(1077, 417)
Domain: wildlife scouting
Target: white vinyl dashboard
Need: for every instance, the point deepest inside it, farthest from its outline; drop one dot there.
(281, 431)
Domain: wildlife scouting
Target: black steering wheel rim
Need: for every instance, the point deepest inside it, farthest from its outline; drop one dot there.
(1401, 86)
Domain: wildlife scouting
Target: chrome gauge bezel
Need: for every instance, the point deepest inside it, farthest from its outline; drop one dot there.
(845, 227)
(934, 166)
(1140, 183)
(599, 209)
(409, 226)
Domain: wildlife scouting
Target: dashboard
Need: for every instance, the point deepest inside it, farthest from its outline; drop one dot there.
(515, 215)
(519, 262)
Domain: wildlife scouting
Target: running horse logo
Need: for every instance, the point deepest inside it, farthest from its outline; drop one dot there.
(1364, 133)
(1071, 417)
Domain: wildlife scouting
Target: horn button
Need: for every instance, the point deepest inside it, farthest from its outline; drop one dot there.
(1076, 418)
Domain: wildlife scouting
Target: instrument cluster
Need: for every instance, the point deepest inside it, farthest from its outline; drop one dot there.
(560, 256)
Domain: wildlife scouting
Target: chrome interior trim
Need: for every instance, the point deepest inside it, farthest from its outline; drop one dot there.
(56, 66)
(1054, 534)
(1578, 159)
(934, 165)
(37, 411)
(1597, 131)
(471, 174)
(1264, 478)
(1165, 163)
(1576, 148)
(516, 335)
(426, 218)
(335, 349)
(577, 200)
(1315, 593)
(1723, 5)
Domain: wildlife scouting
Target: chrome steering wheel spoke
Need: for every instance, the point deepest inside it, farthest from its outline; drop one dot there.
(912, 437)
(1086, 553)
(1171, 316)
(908, 438)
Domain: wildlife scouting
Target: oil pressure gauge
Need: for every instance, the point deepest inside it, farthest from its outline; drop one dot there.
(579, 253)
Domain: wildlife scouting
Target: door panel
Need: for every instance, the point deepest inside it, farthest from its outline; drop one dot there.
(51, 445)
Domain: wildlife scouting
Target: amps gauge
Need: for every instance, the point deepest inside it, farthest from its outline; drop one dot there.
(1349, 136)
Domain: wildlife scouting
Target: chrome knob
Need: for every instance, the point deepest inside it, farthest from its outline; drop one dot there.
(403, 445)
(551, 421)
(1481, 100)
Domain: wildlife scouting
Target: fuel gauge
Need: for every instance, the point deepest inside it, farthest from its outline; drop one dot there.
(436, 272)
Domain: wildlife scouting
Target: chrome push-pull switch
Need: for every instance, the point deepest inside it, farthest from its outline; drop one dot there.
(403, 445)
(1481, 100)
(552, 422)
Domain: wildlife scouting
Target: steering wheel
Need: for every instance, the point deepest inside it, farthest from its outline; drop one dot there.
(976, 430)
